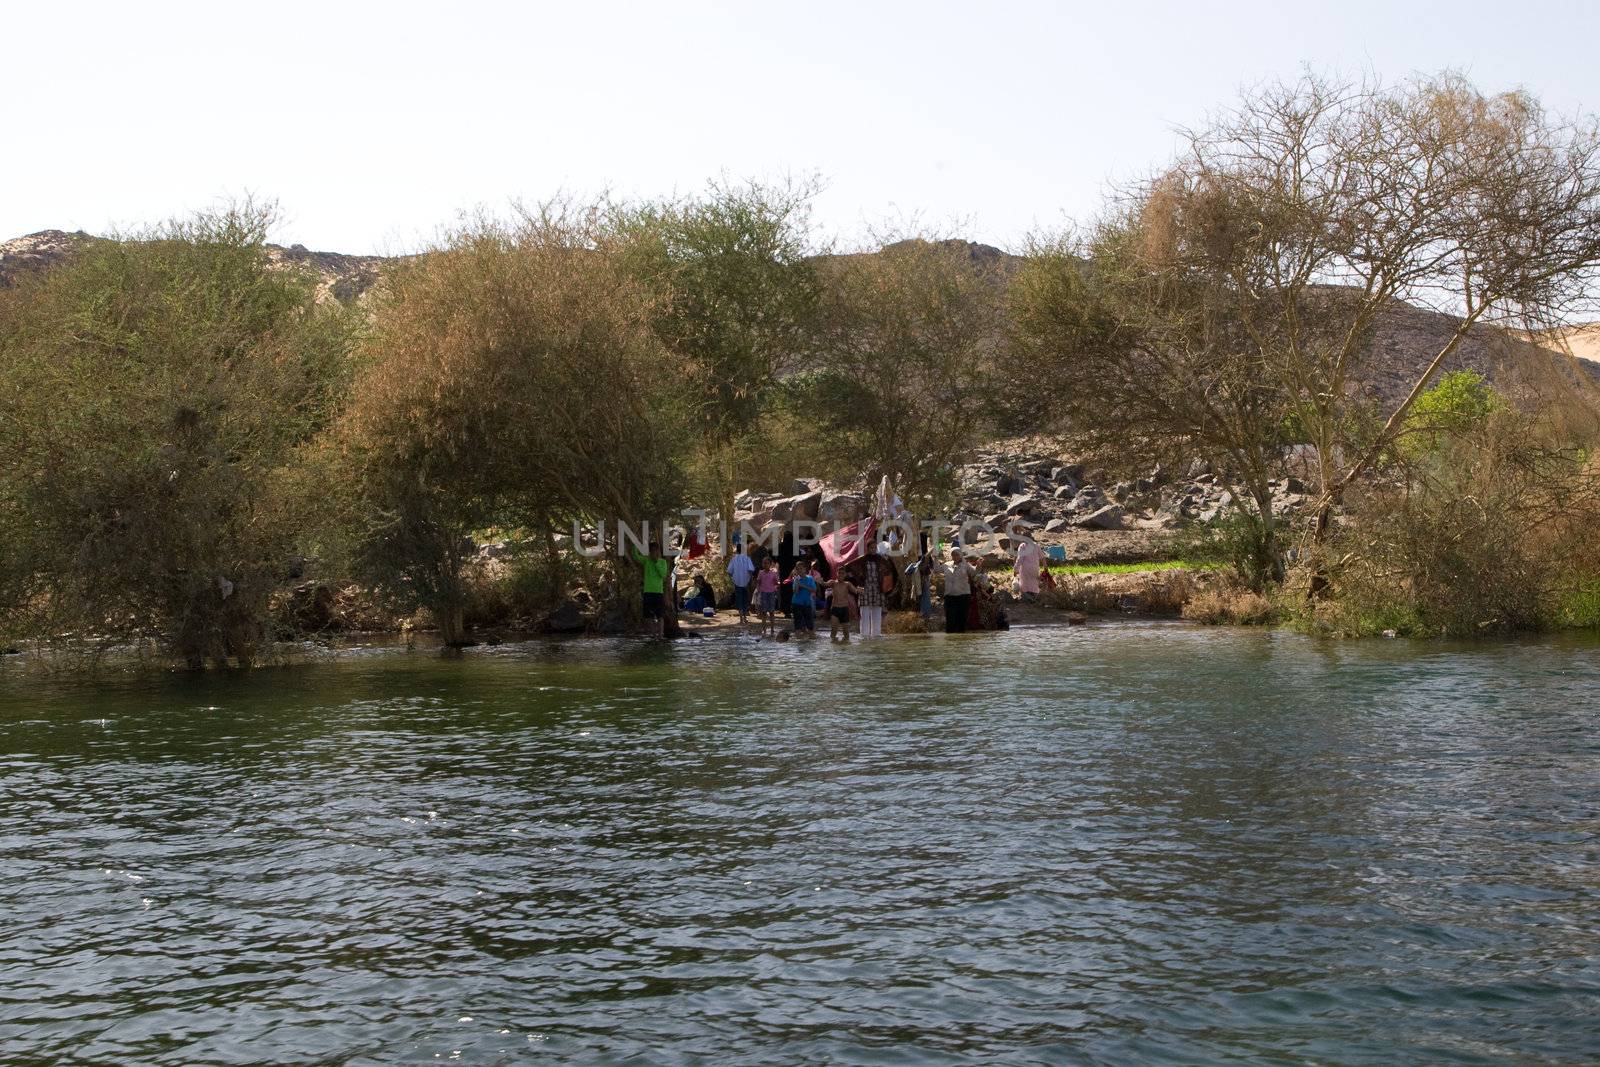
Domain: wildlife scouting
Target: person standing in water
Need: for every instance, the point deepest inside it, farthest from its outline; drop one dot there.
(876, 573)
(840, 589)
(803, 591)
(767, 584)
(653, 585)
(957, 592)
(925, 566)
(741, 568)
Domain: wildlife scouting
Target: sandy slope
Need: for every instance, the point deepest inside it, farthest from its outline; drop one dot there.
(1582, 341)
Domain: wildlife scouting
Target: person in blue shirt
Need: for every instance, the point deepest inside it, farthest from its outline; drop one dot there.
(741, 568)
(803, 602)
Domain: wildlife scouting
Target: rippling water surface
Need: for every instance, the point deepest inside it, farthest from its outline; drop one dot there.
(1131, 843)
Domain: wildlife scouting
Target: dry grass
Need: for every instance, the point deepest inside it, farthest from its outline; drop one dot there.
(910, 622)
(1229, 605)
(1152, 592)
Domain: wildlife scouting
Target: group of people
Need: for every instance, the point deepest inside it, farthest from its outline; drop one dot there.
(858, 591)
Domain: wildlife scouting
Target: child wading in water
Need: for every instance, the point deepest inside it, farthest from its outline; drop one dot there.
(767, 582)
(840, 589)
(804, 599)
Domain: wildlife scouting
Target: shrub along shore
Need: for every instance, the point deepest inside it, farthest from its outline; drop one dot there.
(208, 449)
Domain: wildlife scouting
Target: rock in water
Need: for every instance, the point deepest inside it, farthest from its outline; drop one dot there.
(566, 618)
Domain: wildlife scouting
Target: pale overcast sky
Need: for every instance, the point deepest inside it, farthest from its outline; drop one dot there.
(374, 123)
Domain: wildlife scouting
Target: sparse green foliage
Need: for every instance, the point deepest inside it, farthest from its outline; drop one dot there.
(511, 377)
(1460, 401)
(156, 393)
(734, 297)
(1493, 535)
(1246, 280)
(1160, 362)
(905, 375)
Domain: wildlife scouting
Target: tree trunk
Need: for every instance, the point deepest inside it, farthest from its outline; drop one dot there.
(671, 626)
(629, 582)
(1269, 560)
(452, 625)
(1321, 522)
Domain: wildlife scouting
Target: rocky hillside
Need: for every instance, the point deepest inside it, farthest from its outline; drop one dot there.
(1406, 339)
(343, 278)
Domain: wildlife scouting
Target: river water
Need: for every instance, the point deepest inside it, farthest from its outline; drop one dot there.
(1122, 843)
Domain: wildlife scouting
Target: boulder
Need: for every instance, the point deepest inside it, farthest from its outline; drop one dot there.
(840, 506)
(801, 506)
(1108, 517)
(612, 618)
(1071, 473)
(1023, 504)
(1089, 498)
(1009, 483)
(566, 617)
(1065, 492)
(1056, 525)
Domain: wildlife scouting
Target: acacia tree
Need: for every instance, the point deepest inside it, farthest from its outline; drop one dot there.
(734, 292)
(1155, 361)
(156, 391)
(512, 378)
(904, 378)
(1433, 193)
(1309, 209)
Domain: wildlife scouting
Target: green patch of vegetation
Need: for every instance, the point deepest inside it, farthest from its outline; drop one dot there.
(1461, 401)
(1579, 607)
(1353, 617)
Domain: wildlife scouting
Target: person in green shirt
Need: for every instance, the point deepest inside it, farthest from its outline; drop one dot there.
(656, 569)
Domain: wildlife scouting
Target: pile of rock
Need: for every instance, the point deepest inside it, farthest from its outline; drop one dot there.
(1043, 491)
(808, 499)
(1060, 497)
(1204, 500)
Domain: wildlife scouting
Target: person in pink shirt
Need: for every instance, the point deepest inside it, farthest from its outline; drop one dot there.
(767, 583)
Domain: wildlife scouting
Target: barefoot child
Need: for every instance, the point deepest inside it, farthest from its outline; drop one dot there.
(840, 590)
(767, 596)
(803, 601)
